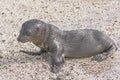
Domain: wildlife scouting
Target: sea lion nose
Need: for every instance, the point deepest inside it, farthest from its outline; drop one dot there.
(21, 39)
(18, 39)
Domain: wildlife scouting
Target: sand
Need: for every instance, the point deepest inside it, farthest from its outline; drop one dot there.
(103, 15)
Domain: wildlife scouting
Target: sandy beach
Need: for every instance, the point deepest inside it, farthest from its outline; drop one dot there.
(103, 15)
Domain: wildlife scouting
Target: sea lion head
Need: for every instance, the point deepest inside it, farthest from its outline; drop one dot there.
(32, 31)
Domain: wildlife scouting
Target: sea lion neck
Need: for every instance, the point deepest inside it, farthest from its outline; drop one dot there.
(56, 32)
(47, 35)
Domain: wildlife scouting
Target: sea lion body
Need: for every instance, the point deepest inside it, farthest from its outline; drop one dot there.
(85, 43)
(75, 43)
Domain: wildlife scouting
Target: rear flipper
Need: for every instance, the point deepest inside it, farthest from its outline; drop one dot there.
(34, 53)
(107, 53)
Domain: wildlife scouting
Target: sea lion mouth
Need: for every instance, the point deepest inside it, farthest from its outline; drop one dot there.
(22, 40)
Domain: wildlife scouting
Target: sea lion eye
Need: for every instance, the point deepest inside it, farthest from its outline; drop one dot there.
(28, 33)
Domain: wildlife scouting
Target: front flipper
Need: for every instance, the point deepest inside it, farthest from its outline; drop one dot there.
(34, 53)
(57, 58)
(57, 63)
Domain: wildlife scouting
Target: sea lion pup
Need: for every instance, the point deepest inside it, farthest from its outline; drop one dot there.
(75, 43)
